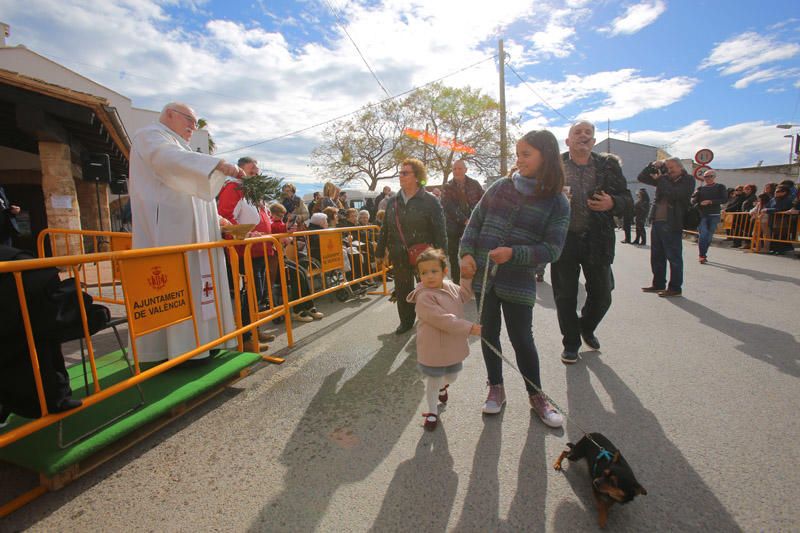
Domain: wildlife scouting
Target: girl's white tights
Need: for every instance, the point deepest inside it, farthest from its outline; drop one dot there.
(432, 387)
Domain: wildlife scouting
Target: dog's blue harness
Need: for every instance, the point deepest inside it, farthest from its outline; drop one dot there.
(604, 454)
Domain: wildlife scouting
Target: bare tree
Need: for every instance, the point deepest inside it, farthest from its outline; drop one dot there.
(366, 147)
(462, 115)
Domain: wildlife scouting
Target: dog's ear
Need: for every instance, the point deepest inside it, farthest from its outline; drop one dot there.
(616, 457)
(641, 490)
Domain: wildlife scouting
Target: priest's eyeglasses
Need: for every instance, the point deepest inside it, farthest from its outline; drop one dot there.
(192, 120)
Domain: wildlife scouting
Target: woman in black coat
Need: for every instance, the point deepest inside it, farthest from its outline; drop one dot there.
(640, 211)
(413, 216)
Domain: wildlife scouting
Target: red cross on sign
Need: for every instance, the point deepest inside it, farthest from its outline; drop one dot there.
(207, 289)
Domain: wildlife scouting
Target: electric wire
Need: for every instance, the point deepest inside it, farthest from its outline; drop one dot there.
(362, 108)
(364, 59)
(545, 102)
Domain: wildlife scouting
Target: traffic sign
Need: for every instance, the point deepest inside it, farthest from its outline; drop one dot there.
(699, 171)
(704, 156)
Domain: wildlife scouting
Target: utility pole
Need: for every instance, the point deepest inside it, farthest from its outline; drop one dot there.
(503, 136)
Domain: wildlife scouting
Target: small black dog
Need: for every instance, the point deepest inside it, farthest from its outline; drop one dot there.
(612, 478)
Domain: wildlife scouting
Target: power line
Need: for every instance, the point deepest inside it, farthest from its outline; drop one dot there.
(525, 82)
(364, 59)
(334, 119)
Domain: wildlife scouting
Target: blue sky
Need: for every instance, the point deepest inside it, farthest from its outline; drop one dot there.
(681, 75)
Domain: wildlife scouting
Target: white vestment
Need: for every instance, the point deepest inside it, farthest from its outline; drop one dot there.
(172, 192)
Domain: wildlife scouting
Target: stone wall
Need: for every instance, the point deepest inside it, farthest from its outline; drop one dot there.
(60, 195)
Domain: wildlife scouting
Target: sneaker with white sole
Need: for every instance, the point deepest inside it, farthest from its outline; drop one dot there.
(495, 400)
(546, 411)
(315, 314)
(302, 316)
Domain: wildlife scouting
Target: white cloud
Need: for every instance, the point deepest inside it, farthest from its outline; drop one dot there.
(613, 95)
(636, 17)
(761, 76)
(745, 53)
(734, 146)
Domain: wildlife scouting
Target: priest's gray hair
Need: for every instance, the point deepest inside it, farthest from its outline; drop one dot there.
(174, 106)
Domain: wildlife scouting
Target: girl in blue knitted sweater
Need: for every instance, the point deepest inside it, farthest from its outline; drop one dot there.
(520, 223)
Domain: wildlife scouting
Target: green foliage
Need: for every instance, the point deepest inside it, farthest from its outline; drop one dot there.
(261, 188)
(369, 146)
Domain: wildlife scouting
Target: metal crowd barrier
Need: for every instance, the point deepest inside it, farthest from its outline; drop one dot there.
(102, 274)
(758, 231)
(80, 266)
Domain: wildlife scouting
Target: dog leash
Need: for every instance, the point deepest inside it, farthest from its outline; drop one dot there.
(499, 354)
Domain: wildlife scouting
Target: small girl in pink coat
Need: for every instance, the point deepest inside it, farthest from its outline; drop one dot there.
(442, 332)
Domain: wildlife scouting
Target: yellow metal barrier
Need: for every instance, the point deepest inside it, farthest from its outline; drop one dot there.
(120, 264)
(100, 274)
(776, 227)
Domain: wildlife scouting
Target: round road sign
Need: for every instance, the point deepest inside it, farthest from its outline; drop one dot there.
(699, 171)
(704, 156)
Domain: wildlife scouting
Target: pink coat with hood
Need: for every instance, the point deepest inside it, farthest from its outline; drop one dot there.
(442, 332)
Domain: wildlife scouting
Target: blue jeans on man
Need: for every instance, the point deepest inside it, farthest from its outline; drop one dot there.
(707, 227)
(666, 246)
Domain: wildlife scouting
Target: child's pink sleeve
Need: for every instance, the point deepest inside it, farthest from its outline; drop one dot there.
(465, 291)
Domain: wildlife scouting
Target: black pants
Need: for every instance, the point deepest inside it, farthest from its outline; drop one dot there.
(565, 276)
(519, 325)
(641, 234)
(453, 240)
(403, 284)
(626, 227)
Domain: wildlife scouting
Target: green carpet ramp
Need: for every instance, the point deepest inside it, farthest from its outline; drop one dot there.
(40, 451)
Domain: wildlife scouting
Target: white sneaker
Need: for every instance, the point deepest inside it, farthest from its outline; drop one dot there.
(495, 400)
(315, 314)
(546, 411)
(302, 316)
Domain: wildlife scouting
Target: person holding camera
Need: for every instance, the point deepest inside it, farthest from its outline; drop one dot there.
(674, 188)
(598, 192)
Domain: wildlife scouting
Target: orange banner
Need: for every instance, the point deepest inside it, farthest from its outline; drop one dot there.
(157, 291)
(331, 252)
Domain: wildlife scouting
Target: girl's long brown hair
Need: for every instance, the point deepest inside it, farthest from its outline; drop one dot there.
(550, 177)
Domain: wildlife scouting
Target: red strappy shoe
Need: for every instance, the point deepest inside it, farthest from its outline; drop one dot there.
(431, 420)
(443, 394)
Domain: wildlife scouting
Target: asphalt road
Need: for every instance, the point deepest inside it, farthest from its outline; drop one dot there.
(700, 393)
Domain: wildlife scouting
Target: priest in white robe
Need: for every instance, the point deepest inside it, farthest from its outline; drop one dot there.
(172, 191)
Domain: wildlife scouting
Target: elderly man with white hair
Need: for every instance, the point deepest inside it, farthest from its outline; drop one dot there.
(707, 199)
(172, 190)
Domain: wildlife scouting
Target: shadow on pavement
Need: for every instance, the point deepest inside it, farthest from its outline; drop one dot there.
(757, 275)
(683, 502)
(764, 343)
(345, 433)
(482, 502)
(421, 494)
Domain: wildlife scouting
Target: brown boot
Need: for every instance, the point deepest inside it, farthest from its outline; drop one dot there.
(253, 346)
(265, 337)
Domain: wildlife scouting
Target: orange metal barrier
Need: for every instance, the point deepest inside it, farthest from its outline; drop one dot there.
(758, 230)
(776, 228)
(121, 263)
(305, 277)
(102, 274)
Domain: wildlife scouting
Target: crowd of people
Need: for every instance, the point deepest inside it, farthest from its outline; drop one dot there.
(775, 210)
(552, 208)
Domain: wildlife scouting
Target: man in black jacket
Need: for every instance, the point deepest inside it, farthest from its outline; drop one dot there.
(413, 216)
(598, 192)
(674, 188)
(459, 198)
